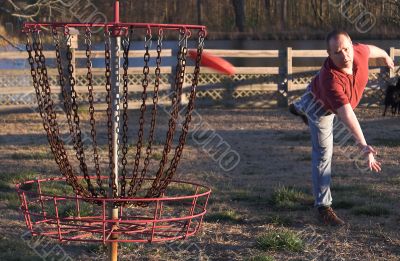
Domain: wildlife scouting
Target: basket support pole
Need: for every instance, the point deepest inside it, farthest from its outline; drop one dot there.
(115, 99)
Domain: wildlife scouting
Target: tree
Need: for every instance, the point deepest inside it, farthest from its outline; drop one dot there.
(238, 6)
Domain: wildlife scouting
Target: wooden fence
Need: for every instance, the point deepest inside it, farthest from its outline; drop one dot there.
(259, 87)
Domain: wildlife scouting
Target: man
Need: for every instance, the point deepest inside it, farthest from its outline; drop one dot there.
(337, 89)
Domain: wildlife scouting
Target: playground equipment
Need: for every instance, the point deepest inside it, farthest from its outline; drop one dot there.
(133, 207)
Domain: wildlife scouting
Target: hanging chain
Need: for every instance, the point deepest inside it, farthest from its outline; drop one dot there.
(107, 43)
(78, 145)
(139, 183)
(89, 77)
(179, 79)
(145, 83)
(126, 43)
(64, 92)
(45, 104)
(188, 117)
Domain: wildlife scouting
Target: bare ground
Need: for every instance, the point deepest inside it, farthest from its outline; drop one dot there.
(274, 151)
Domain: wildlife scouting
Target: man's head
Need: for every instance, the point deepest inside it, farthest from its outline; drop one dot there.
(340, 49)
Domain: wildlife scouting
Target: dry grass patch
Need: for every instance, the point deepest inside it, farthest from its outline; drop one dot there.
(261, 258)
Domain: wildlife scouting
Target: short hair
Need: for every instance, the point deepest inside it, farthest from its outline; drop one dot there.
(334, 34)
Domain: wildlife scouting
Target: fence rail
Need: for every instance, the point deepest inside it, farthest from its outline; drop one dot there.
(249, 87)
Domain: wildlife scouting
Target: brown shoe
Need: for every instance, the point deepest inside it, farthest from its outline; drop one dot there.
(328, 216)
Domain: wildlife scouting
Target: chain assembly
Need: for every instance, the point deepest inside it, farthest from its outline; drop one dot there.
(129, 186)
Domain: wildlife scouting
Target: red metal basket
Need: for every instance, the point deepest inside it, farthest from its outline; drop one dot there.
(176, 215)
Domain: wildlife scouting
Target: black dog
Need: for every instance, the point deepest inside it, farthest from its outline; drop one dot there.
(392, 98)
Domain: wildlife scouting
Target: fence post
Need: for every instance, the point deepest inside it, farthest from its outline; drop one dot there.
(391, 71)
(281, 81)
(289, 73)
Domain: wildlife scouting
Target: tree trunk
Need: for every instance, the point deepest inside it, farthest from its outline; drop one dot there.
(199, 12)
(238, 6)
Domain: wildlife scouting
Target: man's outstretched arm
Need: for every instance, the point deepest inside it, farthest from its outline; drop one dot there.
(376, 52)
(346, 114)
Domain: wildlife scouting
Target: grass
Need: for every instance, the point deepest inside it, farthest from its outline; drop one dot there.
(349, 188)
(295, 137)
(31, 156)
(224, 216)
(8, 180)
(290, 198)
(371, 210)
(11, 250)
(280, 240)
(11, 199)
(156, 155)
(387, 142)
(344, 204)
(57, 188)
(261, 258)
(180, 189)
(371, 191)
(14, 178)
(304, 158)
(280, 220)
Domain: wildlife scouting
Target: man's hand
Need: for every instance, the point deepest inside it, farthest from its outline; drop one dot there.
(373, 164)
(389, 62)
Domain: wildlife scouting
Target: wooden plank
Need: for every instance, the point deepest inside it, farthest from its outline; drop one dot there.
(244, 53)
(81, 54)
(78, 89)
(304, 69)
(132, 53)
(309, 53)
(240, 70)
(131, 70)
(258, 87)
(14, 55)
(83, 71)
(248, 87)
(297, 87)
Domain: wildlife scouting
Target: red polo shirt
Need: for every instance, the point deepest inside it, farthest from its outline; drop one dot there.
(335, 88)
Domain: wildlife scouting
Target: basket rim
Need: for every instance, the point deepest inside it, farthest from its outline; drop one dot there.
(30, 25)
(161, 198)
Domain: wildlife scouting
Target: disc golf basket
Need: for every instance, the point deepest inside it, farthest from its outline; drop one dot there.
(133, 207)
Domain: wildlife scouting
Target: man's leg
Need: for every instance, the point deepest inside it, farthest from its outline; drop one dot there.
(322, 148)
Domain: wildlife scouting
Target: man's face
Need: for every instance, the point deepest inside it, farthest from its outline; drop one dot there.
(341, 51)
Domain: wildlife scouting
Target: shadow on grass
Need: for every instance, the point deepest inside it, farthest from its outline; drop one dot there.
(374, 210)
